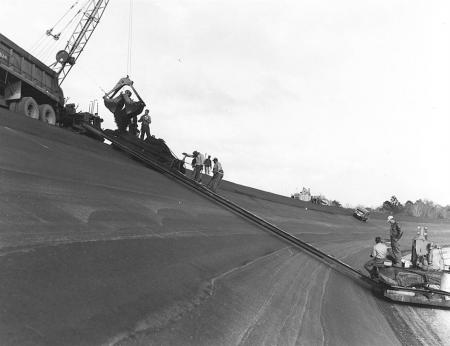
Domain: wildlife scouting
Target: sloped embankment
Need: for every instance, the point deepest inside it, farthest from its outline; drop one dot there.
(97, 249)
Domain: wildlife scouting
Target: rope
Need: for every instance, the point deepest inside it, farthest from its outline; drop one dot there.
(38, 44)
(65, 14)
(92, 78)
(130, 37)
(46, 46)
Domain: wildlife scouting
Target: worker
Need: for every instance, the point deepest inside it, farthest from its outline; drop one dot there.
(379, 253)
(396, 234)
(133, 127)
(198, 165)
(217, 175)
(420, 248)
(145, 121)
(207, 164)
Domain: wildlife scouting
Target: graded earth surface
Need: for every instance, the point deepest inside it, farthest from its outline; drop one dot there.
(97, 249)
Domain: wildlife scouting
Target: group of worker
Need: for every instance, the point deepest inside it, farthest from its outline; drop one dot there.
(118, 106)
(380, 252)
(199, 162)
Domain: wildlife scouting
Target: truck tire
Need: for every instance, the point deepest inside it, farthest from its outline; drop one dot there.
(12, 106)
(47, 114)
(28, 107)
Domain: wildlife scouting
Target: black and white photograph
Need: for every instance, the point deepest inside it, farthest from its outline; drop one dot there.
(221, 173)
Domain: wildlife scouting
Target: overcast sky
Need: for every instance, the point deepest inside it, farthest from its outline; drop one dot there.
(349, 98)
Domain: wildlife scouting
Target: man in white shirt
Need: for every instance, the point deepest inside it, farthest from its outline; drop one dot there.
(198, 165)
(217, 175)
(379, 253)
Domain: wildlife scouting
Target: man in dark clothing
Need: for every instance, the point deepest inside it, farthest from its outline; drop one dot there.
(145, 126)
(208, 164)
(396, 234)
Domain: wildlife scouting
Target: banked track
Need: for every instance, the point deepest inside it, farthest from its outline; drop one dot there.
(181, 178)
(235, 208)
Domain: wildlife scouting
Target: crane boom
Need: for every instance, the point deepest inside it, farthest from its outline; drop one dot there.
(65, 59)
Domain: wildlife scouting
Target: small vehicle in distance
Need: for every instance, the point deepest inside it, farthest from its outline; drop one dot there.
(361, 214)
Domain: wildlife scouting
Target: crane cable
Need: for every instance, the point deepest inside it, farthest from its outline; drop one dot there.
(130, 37)
(65, 14)
(48, 43)
(49, 32)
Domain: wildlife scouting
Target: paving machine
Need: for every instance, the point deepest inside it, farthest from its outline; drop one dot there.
(423, 278)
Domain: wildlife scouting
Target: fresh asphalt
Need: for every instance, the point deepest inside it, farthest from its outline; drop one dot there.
(99, 250)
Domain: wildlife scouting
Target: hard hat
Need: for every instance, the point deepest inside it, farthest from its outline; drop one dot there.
(390, 217)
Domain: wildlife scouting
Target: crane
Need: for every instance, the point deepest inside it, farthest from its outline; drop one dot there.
(66, 58)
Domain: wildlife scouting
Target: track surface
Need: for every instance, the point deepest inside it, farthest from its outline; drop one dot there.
(98, 250)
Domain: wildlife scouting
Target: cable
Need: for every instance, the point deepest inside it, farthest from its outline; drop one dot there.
(49, 32)
(38, 43)
(65, 14)
(130, 37)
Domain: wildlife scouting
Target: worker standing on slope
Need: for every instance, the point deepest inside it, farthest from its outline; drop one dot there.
(217, 175)
(145, 121)
(396, 234)
(379, 253)
(207, 164)
(198, 165)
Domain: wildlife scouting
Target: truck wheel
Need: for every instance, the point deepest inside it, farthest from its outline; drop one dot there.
(12, 106)
(47, 114)
(28, 107)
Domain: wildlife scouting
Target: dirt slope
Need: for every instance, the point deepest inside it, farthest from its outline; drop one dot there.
(99, 250)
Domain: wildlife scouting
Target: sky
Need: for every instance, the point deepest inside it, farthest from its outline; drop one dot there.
(349, 98)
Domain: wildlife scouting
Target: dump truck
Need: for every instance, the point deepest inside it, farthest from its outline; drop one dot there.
(30, 87)
(27, 85)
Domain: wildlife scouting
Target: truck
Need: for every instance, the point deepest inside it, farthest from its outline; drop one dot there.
(30, 87)
(27, 85)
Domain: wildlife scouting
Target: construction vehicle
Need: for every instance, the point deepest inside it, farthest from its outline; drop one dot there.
(123, 107)
(29, 87)
(361, 214)
(125, 112)
(423, 278)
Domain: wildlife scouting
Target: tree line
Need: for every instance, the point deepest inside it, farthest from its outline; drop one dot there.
(419, 208)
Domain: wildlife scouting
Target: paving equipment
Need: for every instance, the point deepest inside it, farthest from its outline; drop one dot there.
(125, 110)
(424, 277)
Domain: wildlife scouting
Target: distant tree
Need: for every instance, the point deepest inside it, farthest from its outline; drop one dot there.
(387, 205)
(393, 205)
(419, 208)
(396, 203)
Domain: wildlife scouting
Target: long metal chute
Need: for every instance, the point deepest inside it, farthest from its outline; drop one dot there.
(227, 203)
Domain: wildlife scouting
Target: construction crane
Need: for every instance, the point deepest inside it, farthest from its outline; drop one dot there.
(65, 59)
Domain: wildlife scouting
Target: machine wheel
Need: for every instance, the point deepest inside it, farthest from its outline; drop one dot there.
(13, 106)
(28, 107)
(47, 114)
